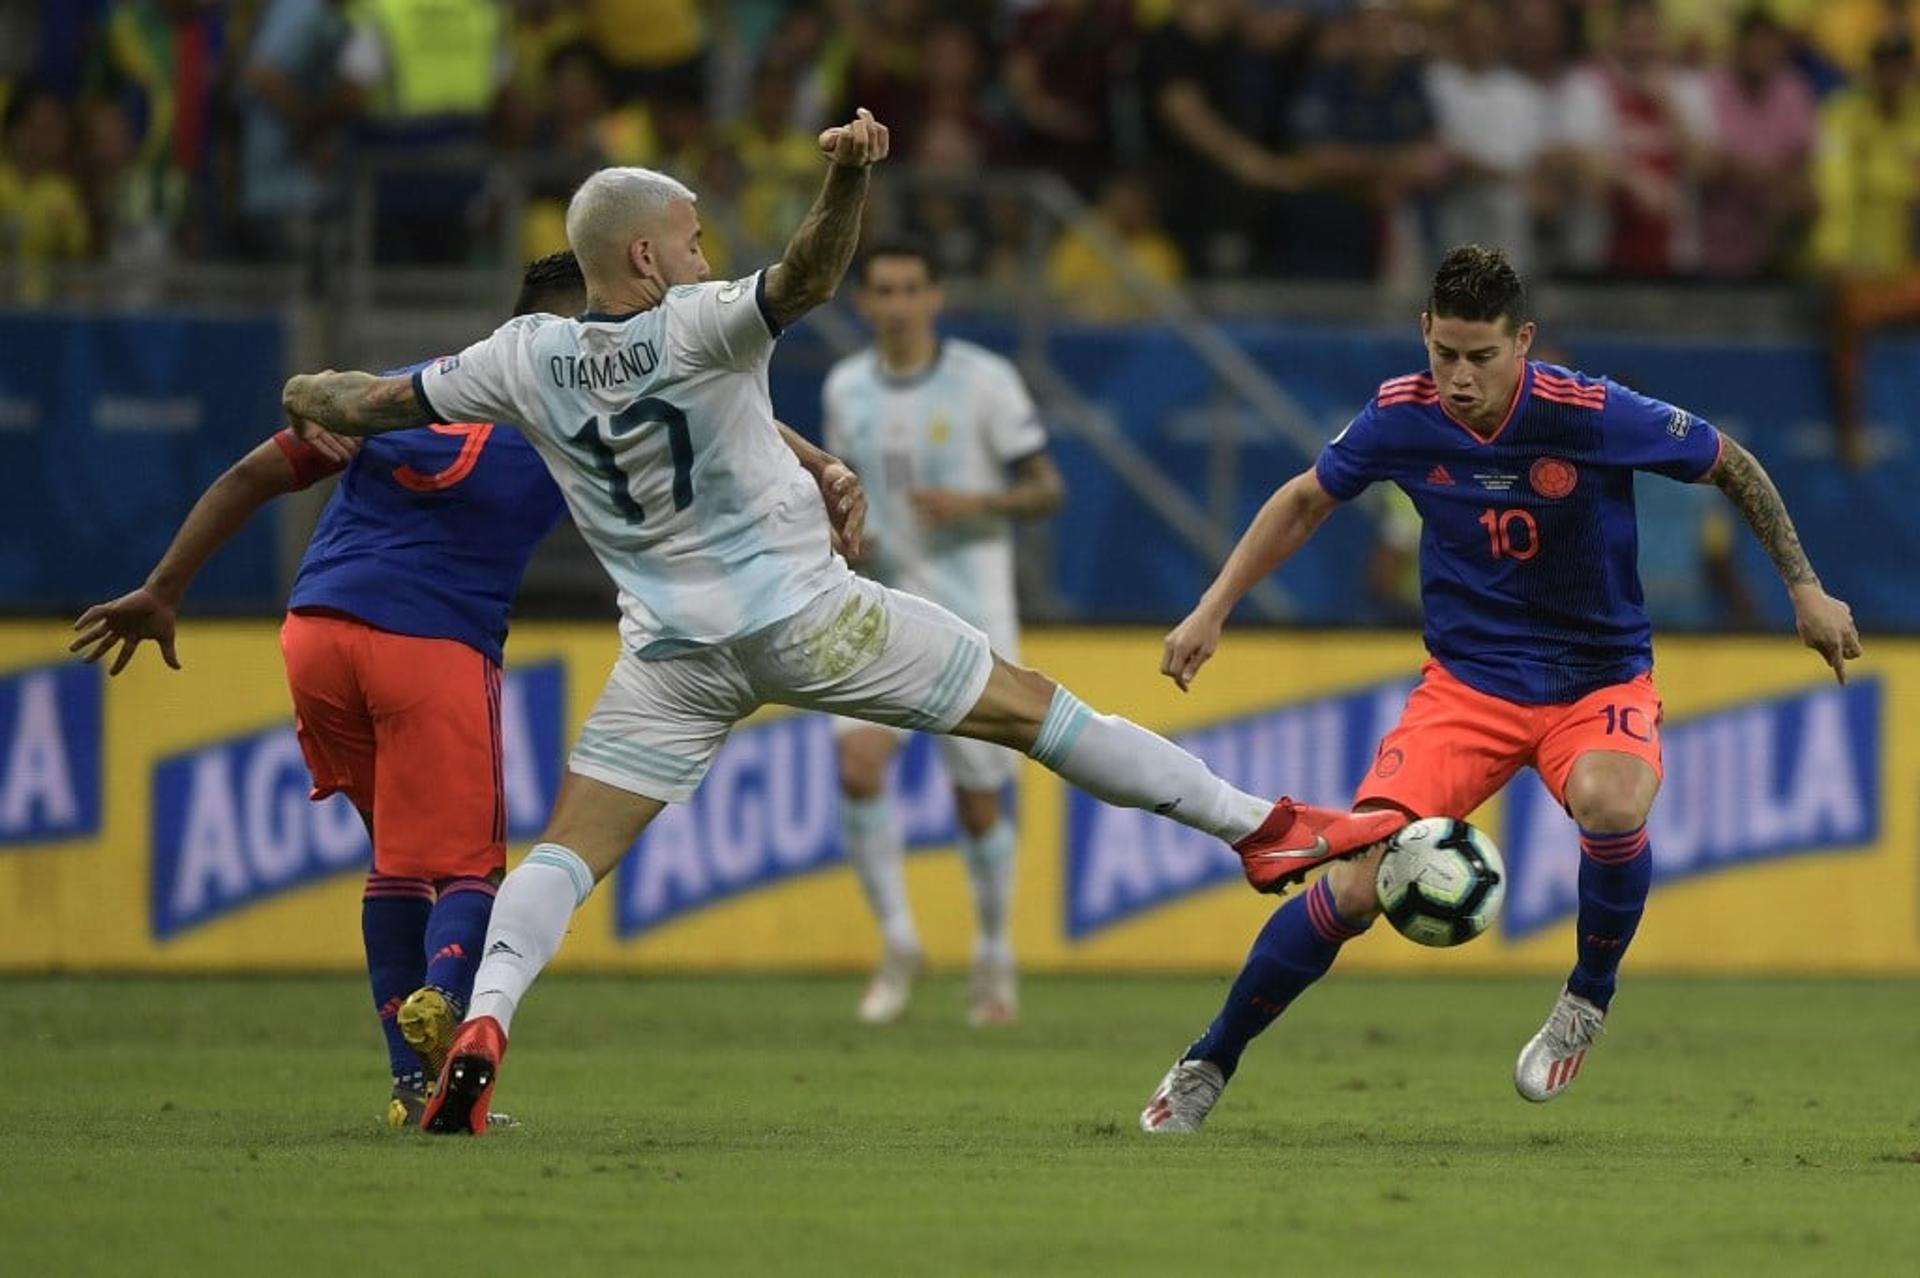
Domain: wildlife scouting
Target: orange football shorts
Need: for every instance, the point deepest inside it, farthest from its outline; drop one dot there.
(409, 730)
(1455, 746)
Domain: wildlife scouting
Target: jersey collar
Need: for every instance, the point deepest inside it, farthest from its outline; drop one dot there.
(1520, 391)
(916, 378)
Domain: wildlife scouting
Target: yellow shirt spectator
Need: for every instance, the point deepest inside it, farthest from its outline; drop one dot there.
(1845, 30)
(781, 176)
(536, 36)
(42, 220)
(1089, 283)
(646, 33)
(1867, 177)
(778, 161)
(622, 136)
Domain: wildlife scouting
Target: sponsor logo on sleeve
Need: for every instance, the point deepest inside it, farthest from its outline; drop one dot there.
(1679, 423)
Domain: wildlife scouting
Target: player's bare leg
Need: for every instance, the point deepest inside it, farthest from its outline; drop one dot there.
(870, 831)
(593, 825)
(986, 840)
(1609, 794)
(1122, 763)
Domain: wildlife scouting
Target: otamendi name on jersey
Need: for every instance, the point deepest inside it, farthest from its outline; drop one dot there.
(597, 372)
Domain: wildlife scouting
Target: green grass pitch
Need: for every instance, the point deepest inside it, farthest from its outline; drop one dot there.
(748, 1126)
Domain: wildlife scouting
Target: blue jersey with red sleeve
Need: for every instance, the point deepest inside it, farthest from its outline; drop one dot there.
(429, 531)
(1528, 545)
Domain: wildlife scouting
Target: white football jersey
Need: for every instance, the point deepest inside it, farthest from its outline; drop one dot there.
(658, 427)
(956, 425)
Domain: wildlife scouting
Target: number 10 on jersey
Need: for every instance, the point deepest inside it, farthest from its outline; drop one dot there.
(1502, 527)
(640, 413)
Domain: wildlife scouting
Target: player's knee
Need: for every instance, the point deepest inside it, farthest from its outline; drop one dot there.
(863, 765)
(978, 811)
(1608, 800)
(859, 779)
(1027, 694)
(1012, 707)
(1354, 893)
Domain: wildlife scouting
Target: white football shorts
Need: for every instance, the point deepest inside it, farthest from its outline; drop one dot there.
(860, 650)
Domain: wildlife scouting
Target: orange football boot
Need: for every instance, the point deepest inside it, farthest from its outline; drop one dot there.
(460, 1099)
(1296, 838)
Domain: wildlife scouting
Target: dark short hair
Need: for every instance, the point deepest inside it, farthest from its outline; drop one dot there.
(1479, 283)
(26, 94)
(900, 246)
(552, 283)
(1892, 46)
(579, 51)
(1756, 20)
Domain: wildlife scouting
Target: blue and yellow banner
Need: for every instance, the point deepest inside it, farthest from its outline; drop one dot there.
(161, 821)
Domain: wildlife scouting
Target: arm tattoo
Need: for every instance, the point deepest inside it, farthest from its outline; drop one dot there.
(356, 403)
(390, 404)
(1745, 482)
(818, 254)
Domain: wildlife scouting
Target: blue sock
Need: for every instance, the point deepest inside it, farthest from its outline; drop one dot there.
(1293, 950)
(1616, 870)
(393, 925)
(456, 934)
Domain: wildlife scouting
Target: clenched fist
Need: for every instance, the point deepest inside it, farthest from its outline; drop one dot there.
(855, 145)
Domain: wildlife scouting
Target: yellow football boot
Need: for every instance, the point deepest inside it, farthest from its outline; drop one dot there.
(428, 1020)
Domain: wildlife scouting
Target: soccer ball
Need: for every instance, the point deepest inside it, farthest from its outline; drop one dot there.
(1441, 882)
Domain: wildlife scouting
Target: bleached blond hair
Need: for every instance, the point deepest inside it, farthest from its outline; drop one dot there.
(612, 209)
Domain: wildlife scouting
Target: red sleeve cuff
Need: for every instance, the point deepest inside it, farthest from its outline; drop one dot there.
(1719, 451)
(310, 466)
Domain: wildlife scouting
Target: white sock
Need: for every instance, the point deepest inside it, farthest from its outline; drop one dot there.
(530, 918)
(990, 870)
(872, 838)
(1123, 764)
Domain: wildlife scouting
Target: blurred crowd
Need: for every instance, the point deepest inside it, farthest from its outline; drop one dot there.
(1722, 139)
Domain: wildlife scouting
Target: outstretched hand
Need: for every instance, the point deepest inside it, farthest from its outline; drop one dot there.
(857, 144)
(1826, 626)
(129, 620)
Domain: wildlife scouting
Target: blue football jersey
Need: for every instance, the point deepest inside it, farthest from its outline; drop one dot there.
(1528, 546)
(430, 531)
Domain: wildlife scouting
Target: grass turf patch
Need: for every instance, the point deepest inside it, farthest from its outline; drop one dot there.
(733, 1125)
